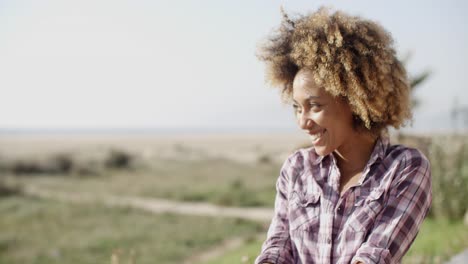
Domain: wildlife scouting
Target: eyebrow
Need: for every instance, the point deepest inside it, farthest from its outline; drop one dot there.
(310, 97)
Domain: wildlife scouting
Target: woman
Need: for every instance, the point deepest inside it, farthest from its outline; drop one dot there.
(352, 197)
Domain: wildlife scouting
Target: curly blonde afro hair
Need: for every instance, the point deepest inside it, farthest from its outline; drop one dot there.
(349, 56)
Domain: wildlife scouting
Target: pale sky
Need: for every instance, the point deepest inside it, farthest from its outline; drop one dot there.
(92, 64)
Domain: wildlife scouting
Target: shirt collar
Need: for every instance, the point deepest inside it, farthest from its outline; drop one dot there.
(378, 153)
(380, 148)
(318, 158)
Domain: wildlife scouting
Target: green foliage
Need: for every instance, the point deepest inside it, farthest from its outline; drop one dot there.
(449, 164)
(415, 81)
(437, 241)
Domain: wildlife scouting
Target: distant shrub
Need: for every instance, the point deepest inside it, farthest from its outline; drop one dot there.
(264, 159)
(118, 159)
(26, 167)
(66, 164)
(58, 164)
(61, 164)
(449, 163)
(6, 190)
(237, 184)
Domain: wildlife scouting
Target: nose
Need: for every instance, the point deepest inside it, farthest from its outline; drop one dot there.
(304, 121)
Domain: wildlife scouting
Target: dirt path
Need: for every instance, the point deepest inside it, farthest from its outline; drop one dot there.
(162, 206)
(155, 205)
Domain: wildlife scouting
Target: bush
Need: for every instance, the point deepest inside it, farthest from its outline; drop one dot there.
(61, 164)
(6, 190)
(264, 159)
(448, 157)
(118, 159)
(57, 164)
(26, 167)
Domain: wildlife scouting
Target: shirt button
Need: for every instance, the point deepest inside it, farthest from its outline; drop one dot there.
(329, 241)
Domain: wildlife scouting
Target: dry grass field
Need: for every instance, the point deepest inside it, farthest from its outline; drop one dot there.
(235, 170)
(225, 170)
(220, 169)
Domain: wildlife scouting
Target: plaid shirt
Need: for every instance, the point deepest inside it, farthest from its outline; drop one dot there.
(375, 221)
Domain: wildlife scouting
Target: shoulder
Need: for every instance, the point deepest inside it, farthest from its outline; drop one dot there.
(407, 164)
(303, 157)
(300, 160)
(406, 156)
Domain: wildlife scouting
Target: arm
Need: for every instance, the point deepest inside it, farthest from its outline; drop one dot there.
(398, 223)
(277, 247)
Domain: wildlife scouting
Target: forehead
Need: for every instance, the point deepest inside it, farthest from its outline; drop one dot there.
(304, 86)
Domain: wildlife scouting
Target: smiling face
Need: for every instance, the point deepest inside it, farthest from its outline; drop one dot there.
(326, 119)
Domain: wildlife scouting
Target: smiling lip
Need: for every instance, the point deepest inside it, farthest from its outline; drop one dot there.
(316, 132)
(316, 135)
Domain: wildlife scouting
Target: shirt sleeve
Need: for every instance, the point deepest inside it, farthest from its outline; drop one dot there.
(277, 247)
(397, 225)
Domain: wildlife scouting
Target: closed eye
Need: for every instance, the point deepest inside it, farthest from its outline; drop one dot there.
(314, 105)
(295, 108)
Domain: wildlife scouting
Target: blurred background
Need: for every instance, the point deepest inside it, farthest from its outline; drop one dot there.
(143, 131)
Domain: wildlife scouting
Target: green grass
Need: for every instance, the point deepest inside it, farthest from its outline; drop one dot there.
(40, 231)
(437, 241)
(217, 181)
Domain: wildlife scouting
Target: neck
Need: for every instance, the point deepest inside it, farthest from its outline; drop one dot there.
(353, 156)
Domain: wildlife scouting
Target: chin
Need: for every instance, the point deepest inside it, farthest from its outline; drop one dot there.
(322, 151)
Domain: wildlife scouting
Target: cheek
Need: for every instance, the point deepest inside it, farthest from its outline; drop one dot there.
(338, 127)
(321, 119)
(342, 130)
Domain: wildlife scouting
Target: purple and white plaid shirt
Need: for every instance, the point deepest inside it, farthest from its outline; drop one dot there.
(375, 221)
